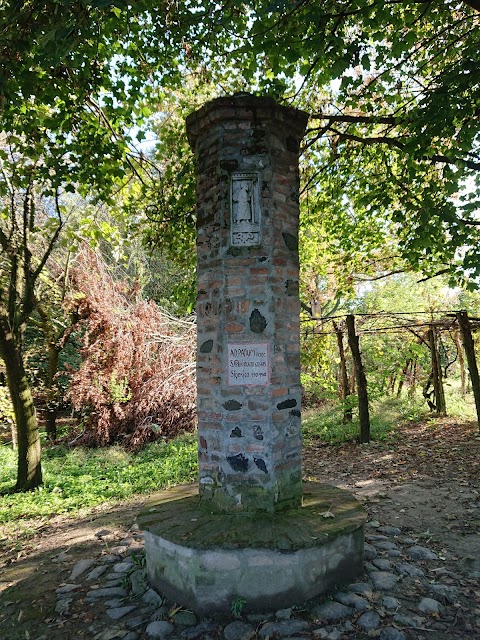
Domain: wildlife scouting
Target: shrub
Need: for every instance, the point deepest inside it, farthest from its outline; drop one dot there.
(136, 380)
(7, 417)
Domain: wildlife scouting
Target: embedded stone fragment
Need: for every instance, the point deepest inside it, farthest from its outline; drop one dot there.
(411, 570)
(332, 611)
(239, 631)
(383, 580)
(352, 600)
(257, 322)
(390, 633)
(232, 405)
(206, 346)
(81, 567)
(287, 404)
(382, 564)
(261, 464)
(107, 592)
(369, 552)
(390, 603)
(283, 628)
(421, 553)
(66, 588)
(369, 621)
(291, 241)
(95, 573)
(238, 462)
(119, 612)
(431, 606)
(159, 629)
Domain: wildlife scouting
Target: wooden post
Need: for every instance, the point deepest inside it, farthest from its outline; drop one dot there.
(437, 379)
(412, 381)
(344, 384)
(403, 377)
(363, 411)
(469, 346)
(461, 362)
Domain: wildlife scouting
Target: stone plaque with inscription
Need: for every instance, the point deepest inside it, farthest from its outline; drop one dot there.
(248, 364)
(245, 208)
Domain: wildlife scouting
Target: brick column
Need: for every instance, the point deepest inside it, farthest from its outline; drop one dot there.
(248, 358)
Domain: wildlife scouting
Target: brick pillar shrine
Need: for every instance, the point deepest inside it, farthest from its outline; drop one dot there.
(246, 531)
(248, 357)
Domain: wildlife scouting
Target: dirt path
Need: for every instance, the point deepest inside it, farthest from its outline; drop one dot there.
(427, 484)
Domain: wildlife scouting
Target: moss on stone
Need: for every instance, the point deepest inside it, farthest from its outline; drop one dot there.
(179, 516)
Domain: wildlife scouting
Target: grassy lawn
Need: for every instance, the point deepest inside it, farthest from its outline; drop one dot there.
(79, 479)
(386, 415)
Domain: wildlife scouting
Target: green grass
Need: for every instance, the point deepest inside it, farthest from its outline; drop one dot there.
(386, 414)
(78, 479)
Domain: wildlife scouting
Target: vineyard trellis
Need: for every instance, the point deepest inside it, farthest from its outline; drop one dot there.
(426, 331)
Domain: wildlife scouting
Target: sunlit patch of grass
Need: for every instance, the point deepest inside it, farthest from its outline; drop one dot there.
(386, 414)
(80, 478)
(326, 424)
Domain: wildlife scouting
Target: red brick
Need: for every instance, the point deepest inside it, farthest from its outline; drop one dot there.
(234, 328)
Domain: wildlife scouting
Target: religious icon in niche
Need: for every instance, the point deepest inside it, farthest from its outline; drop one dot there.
(245, 209)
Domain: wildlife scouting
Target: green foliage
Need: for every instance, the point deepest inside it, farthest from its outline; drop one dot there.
(319, 379)
(325, 424)
(119, 389)
(392, 87)
(237, 606)
(7, 417)
(78, 479)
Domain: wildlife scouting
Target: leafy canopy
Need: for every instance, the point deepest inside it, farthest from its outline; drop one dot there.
(393, 89)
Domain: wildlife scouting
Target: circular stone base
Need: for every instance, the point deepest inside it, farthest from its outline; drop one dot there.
(205, 560)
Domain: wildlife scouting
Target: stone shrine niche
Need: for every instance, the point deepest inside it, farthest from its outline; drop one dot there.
(245, 209)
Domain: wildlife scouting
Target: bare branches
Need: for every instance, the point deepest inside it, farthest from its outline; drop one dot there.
(53, 239)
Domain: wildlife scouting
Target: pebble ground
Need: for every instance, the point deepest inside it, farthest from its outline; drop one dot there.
(407, 592)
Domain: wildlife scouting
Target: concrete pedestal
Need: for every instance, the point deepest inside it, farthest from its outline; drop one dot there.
(204, 560)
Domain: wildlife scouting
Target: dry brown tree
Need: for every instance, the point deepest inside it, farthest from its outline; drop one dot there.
(137, 377)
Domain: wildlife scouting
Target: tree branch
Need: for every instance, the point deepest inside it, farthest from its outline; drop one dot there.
(351, 118)
(393, 142)
(439, 273)
(381, 277)
(474, 4)
(52, 242)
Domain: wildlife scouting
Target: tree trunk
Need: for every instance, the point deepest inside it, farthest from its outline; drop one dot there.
(437, 379)
(29, 470)
(461, 362)
(363, 410)
(344, 384)
(403, 377)
(392, 381)
(469, 346)
(13, 431)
